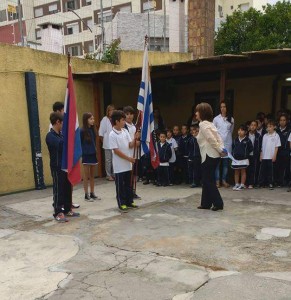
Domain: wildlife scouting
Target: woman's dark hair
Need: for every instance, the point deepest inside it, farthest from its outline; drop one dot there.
(86, 117)
(228, 117)
(117, 115)
(205, 111)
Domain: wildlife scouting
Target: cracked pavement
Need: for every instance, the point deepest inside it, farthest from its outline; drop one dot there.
(165, 250)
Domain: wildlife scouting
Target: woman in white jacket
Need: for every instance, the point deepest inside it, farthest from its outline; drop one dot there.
(211, 148)
(104, 130)
(224, 124)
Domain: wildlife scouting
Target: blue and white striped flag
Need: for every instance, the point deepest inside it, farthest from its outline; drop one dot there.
(145, 107)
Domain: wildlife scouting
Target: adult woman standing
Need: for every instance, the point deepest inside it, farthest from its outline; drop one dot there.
(224, 124)
(104, 130)
(211, 148)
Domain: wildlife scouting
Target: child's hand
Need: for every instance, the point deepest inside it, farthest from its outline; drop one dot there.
(137, 143)
(132, 160)
(274, 159)
(137, 135)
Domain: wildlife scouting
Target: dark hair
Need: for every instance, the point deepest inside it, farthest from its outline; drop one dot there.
(58, 106)
(56, 116)
(170, 130)
(243, 127)
(270, 117)
(195, 126)
(284, 115)
(163, 132)
(228, 117)
(117, 115)
(86, 117)
(260, 116)
(255, 121)
(205, 111)
(185, 125)
(271, 122)
(128, 109)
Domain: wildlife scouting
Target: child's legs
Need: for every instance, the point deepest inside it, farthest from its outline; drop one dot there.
(270, 171)
(57, 193)
(92, 174)
(185, 170)
(251, 171)
(120, 192)
(225, 165)
(108, 162)
(243, 174)
(166, 175)
(236, 176)
(197, 170)
(127, 188)
(66, 192)
(86, 177)
(217, 171)
(262, 173)
(257, 165)
(171, 172)
(191, 171)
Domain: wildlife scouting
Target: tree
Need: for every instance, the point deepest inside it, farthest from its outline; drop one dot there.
(255, 30)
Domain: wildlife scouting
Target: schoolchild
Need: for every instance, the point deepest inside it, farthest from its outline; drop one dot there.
(254, 167)
(131, 128)
(289, 140)
(261, 129)
(241, 149)
(121, 144)
(194, 157)
(172, 162)
(282, 165)
(89, 155)
(176, 133)
(62, 188)
(165, 153)
(271, 143)
(177, 169)
(182, 145)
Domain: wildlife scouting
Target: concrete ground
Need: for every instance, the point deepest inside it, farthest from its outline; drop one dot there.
(166, 249)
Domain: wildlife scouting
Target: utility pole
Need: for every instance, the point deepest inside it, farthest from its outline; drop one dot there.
(165, 24)
(149, 35)
(19, 10)
(102, 25)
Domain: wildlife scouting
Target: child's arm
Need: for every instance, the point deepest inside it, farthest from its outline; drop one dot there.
(122, 155)
(135, 141)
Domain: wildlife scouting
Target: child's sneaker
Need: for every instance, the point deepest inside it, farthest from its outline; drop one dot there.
(60, 217)
(193, 185)
(271, 187)
(241, 187)
(123, 208)
(132, 205)
(72, 214)
(250, 187)
(235, 188)
(87, 198)
(135, 196)
(94, 197)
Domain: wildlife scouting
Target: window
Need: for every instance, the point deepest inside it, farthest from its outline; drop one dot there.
(38, 12)
(38, 34)
(13, 16)
(73, 28)
(244, 6)
(75, 50)
(89, 24)
(3, 16)
(88, 2)
(125, 9)
(53, 8)
(220, 12)
(71, 4)
(107, 16)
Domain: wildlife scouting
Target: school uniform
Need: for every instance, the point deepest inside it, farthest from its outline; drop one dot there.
(122, 168)
(269, 143)
(104, 131)
(88, 147)
(282, 170)
(254, 158)
(172, 162)
(165, 153)
(194, 161)
(62, 188)
(241, 150)
(183, 156)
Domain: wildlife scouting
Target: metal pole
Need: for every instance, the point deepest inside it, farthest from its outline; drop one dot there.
(154, 29)
(20, 22)
(102, 25)
(111, 22)
(165, 24)
(149, 35)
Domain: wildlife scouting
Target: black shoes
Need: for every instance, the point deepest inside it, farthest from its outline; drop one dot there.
(215, 208)
(201, 207)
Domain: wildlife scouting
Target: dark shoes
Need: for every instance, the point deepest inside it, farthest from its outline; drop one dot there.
(135, 196)
(93, 196)
(201, 207)
(215, 208)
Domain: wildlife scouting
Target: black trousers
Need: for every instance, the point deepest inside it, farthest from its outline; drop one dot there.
(172, 172)
(163, 175)
(124, 193)
(210, 194)
(194, 170)
(266, 172)
(253, 170)
(282, 170)
(62, 192)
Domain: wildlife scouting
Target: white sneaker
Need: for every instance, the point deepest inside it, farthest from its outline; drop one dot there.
(235, 188)
(241, 187)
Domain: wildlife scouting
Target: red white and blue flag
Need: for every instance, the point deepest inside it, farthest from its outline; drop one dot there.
(145, 107)
(72, 150)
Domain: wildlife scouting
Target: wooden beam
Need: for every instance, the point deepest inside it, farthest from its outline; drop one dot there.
(222, 85)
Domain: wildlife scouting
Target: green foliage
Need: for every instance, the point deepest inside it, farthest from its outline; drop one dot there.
(111, 53)
(255, 30)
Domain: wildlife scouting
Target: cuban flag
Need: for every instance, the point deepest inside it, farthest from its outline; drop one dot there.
(145, 107)
(72, 150)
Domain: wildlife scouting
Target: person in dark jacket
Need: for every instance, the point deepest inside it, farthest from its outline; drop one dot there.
(282, 165)
(165, 153)
(89, 155)
(62, 188)
(241, 149)
(194, 157)
(183, 155)
(254, 167)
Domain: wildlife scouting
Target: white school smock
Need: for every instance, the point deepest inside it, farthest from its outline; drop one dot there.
(172, 142)
(270, 142)
(209, 140)
(120, 140)
(104, 131)
(225, 130)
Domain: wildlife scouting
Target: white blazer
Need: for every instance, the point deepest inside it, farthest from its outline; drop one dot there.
(209, 141)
